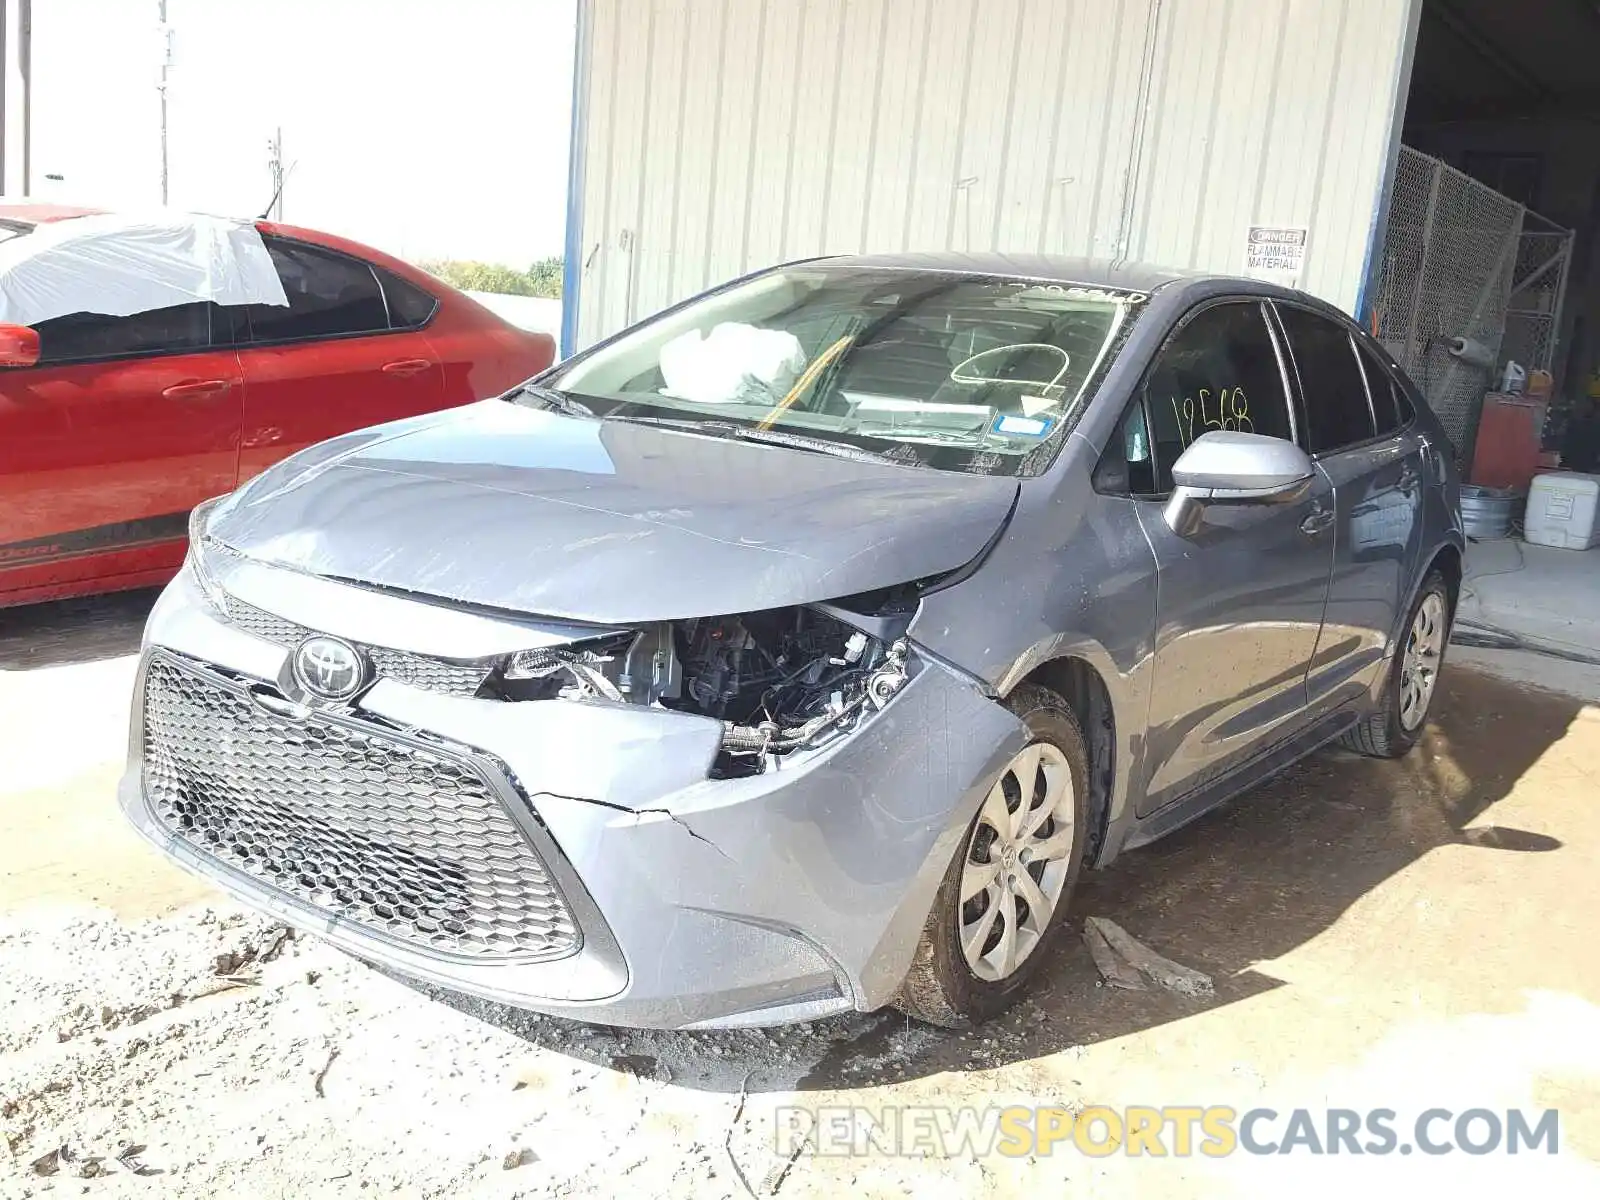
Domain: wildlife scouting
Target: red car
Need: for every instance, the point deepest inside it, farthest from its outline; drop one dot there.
(123, 424)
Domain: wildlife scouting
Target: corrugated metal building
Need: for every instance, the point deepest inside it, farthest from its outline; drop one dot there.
(713, 137)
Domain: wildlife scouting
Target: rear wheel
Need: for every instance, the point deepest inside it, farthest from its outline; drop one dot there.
(1394, 728)
(1005, 895)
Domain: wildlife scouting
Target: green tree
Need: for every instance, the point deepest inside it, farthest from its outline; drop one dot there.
(543, 278)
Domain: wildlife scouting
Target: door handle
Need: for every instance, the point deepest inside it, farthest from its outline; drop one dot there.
(406, 366)
(197, 389)
(1319, 520)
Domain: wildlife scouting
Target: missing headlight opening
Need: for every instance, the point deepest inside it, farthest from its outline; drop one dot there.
(779, 681)
(783, 680)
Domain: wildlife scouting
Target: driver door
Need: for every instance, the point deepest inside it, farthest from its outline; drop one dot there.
(1241, 598)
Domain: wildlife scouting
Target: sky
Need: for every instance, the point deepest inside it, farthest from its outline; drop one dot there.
(427, 128)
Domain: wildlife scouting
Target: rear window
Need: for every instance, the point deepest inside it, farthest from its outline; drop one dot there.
(409, 306)
(1330, 380)
(329, 295)
(1389, 402)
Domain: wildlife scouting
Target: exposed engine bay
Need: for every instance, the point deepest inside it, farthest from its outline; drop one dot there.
(779, 681)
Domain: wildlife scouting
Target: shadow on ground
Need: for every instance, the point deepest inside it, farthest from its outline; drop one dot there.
(65, 632)
(1247, 883)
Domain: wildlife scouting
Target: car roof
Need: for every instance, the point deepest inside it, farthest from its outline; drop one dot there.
(38, 214)
(24, 216)
(1091, 272)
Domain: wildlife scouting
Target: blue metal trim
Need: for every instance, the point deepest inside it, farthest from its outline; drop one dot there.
(572, 264)
(1378, 227)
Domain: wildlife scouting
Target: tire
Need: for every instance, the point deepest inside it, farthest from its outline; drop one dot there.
(942, 986)
(1386, 732)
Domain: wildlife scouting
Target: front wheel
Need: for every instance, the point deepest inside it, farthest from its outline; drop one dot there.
(1007, 891)
(1394, 728)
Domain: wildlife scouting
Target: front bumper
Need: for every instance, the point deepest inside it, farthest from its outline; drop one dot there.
(781, 897)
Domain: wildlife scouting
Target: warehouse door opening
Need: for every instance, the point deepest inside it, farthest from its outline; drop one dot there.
(1488, 291)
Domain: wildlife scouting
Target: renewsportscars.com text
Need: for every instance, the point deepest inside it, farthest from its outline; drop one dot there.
(1159, 1132)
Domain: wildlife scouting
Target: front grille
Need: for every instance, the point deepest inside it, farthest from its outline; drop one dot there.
(407, 841)
(431, 674)
(262, 624)
(418, 670)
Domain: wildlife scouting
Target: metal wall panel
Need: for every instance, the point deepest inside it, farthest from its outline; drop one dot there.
(720, 136)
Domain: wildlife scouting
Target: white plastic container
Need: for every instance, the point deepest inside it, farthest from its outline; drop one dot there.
(1561, 510)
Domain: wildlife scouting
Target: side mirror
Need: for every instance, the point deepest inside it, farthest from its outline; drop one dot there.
(19, 346)
(1234, 468)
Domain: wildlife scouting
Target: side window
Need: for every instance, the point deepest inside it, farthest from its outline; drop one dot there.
(1139, 453)
(329, 296)
(93, 335)
(1127, 467)
(1218, 372)
(1403, 405)
(1389, 403)
(1330, 380)
(409, 306)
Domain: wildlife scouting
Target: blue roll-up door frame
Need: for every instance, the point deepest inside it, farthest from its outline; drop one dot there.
(572, 261)
(1372, 268)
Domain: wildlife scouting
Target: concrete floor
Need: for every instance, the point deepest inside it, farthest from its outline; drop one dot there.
(1405, 935)
(1547, 596)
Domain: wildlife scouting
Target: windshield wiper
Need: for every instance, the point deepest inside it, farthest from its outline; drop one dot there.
(798, 441)
(549, 400)
(767, 437)
(976, 442)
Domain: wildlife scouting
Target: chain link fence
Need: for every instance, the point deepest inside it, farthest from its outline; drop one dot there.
(1538, 287)
(1450, 257)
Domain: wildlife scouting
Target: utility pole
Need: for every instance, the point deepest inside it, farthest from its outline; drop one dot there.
(25, 69)
(166, 61)
(5, 70)
(275, 169)
(16, 68)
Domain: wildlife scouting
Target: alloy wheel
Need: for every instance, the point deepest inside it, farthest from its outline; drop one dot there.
(1017, 861)
(1419, 669)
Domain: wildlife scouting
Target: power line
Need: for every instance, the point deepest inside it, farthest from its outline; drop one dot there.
(166, 61)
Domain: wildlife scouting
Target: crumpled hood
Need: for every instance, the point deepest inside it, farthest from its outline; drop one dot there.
(608, 522)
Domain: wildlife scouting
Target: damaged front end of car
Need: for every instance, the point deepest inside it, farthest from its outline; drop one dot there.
(630, 803)
(726, 819)
(779, 681)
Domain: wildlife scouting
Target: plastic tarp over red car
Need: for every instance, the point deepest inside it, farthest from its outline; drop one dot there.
(119, 265)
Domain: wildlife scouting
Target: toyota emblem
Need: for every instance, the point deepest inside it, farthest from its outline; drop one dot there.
(329, 668)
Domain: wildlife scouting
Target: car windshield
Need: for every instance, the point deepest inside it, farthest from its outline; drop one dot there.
(953, 371)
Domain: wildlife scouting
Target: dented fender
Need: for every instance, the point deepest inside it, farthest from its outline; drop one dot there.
(842, 851)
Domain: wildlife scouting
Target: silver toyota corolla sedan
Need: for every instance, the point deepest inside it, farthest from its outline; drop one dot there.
(793, 651)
